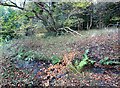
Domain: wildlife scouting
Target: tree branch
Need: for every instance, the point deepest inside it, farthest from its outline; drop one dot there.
(49, 13)
(24, 3)
(12, 5)
(6, 4)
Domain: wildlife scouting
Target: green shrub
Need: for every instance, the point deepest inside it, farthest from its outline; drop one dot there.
(79, 65)
(55, 59)
(107, 61)
(29, 55)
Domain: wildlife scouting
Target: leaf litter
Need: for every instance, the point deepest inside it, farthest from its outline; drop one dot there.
(42, 73)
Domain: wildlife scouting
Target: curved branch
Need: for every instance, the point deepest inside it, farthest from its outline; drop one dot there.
(12, 4)
(49, 13)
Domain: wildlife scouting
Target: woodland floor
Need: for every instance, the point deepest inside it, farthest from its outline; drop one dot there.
(101, 44)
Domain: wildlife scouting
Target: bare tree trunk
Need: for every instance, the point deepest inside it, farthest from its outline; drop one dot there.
(78, 25)
(90, 21)
(87, 25)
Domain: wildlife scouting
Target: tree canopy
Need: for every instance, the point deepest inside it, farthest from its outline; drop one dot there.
(54, 16)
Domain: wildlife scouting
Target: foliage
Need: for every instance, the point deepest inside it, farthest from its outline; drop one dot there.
(9, 23)
(107, 61)
(29, 55)
(55, 59)
(107, 11)
(55, 15)
(79, 65)
(82, 4)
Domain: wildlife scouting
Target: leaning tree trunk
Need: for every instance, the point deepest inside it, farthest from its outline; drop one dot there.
(91, 20)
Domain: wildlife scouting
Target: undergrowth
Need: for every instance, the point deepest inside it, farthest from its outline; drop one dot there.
(31, 55)
(107, 61)
(79, 65)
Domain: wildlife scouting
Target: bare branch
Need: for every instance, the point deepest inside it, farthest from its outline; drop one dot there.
(36, 14)
(14, 5)
(73, 31)
(24, 3)
(69, 30)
